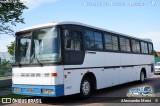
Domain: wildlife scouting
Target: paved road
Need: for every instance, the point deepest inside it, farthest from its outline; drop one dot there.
(5, 81)
(117, 91)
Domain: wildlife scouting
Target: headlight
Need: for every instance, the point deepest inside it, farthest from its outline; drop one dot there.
(157, 68)
(47, 91)
(16, 89)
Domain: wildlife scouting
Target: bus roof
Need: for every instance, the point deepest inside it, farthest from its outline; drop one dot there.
(80, 24)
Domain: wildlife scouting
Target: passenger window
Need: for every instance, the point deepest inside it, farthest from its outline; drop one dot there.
(125, 44)
(150, 48)
(111, 42)
(144, 47)
(98, 40)
(73, 40)
(93, 40)
(135, 46)
(89, 39)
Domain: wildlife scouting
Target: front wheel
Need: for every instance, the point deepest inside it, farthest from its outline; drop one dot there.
(85, 89)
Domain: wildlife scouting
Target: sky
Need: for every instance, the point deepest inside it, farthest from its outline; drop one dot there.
(138, 18)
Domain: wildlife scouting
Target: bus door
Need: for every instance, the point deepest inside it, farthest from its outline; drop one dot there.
(73, 57)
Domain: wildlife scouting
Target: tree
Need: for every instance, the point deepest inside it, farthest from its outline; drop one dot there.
(155, 54)
(11, 49)
(10, 14)
(6, 64)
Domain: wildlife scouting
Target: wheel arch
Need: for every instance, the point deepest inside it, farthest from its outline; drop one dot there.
(92, 78)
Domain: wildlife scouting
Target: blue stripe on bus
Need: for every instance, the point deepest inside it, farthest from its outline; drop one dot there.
(37, 90)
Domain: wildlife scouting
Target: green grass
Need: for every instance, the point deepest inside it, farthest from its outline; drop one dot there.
(5, 87)
(13, 96)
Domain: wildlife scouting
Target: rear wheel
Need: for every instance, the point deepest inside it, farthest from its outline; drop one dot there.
(85, 89)
(142, 77)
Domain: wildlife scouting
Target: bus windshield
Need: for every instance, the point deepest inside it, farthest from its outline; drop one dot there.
(38, 46)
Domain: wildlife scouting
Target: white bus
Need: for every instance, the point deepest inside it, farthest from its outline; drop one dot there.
(66, 58)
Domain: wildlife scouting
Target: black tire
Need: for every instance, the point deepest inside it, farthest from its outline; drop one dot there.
(142, 77)
(85, 88)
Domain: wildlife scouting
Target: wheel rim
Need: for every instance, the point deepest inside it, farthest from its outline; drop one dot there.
(85, 87)
(142, 76)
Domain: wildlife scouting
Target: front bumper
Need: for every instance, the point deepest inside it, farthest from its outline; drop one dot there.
(36, 90)
(157, 71)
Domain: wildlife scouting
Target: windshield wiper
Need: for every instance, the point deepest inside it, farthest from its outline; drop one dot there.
(38, 61)
(18, 63)
(34, 55)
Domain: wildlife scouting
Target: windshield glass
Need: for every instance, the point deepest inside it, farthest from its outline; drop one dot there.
(39, 46)
(157, 64)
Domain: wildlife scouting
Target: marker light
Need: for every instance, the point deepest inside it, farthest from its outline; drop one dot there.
(54, 74)
(16, 89)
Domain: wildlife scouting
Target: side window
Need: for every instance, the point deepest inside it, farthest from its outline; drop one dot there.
(150, 48)
(144, 47)
(125, 44)
(93, 40)
(111, 42)
(98, 40)
(135, 46)
(89, 39)
(73, 40)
